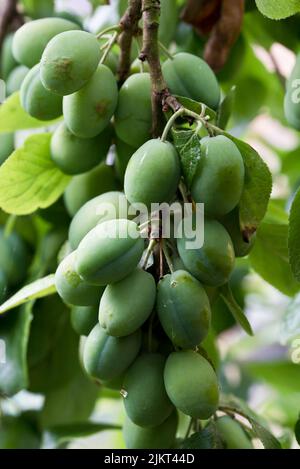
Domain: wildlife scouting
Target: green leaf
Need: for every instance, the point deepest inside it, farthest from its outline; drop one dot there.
(268, 440)
(234, 405)
(270, 258)
(187, 143)
(196, 107)
(62, 434)
(293, 237)
(290, 326)
(18, 432)
(226, 109)
(297, 431)
(278, 9)
(235, 309)
(276, 212)
(58, 409)
(257, 188)
(14, 332)
(282, 375)
(53, 346)
(13, 117)
(205, 439)
(30, 179)
(38, 289)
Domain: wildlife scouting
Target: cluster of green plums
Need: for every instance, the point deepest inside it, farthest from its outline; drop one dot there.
(142, 334)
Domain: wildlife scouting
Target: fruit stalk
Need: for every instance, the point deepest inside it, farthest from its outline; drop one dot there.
(129, 26)
(160, 94)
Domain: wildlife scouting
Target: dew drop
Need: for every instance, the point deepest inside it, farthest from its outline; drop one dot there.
(124, 393)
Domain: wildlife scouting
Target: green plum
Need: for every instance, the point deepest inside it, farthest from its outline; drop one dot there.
(120, 314)
(214, 262)
(84, 319)
(14, 257)
(74, 155)
(133, 117)
(232, 434)
(160, 437)
(183, 309)
(86, 186)
(153, 173)
(69, 61)
(106, 357)
(190, 76)
(89, 111)
(107, 206)
(145, 398)
(36, 100)
(31, 39)
(219, 179)
(72, 288)
(109, 252)
(7, 60)
(15, 79)
(191, 384)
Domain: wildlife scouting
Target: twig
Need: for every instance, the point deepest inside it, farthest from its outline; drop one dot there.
(9, 16)
(129, 26)
(160, 96)
(110, 44)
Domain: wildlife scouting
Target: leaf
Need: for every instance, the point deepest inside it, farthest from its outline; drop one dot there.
(235, 309)
(30, 179)
(234, 405)
(268, 440)
(38, 289)
(257, 188)
(196, 107)
(270, 258)
(53, 347)
(290, 326)
(205, 439)
(14, 332)
(187, 143)
(18, 432)
(62, 434)
(226, 109)
(297, 431)
(58, 409)
(13, 117)
(293, 236)
(282, 375)
(278, 9)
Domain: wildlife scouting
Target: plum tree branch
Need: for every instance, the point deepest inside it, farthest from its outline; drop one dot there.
(160, 96)
(8, 15)
(129, 26)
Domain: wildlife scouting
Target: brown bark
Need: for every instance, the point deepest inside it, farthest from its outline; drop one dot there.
(160, 96)
(129, 26)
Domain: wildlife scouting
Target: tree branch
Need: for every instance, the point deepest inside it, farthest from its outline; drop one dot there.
(9, 16)
(129, 26)
(160, 96)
